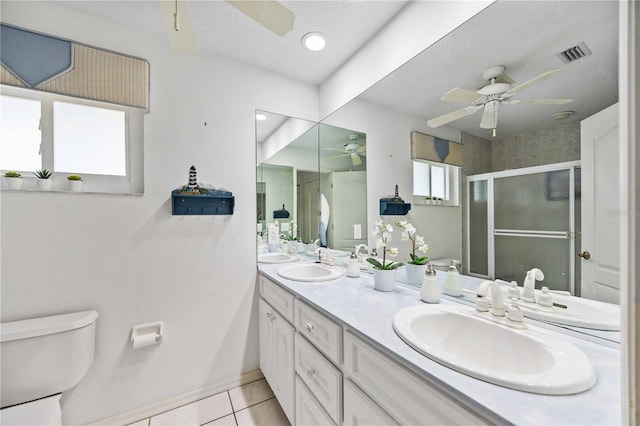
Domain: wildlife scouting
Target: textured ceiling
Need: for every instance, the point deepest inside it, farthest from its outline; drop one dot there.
(223, 30)
(524, 36)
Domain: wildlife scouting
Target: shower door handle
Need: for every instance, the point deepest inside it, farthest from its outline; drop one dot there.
(585, 255)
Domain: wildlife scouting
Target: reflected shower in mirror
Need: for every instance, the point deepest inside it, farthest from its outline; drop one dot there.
(527, 134)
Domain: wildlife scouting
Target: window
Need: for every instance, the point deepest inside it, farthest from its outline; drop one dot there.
(101, 142)
(435, 181)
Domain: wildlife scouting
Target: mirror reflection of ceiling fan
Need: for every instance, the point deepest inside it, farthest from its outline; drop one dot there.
(490, 95)
(182, 37)
(352, 149)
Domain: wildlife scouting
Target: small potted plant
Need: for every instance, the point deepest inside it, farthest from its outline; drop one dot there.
(75, 182)
(43, 181)
(384, 274)
(417, 266)
(14, 179)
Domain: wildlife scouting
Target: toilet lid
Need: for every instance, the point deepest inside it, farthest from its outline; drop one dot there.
(45, 411)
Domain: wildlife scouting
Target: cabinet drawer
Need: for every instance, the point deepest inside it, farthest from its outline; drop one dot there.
(308, 410)
(322, 378)
(322, 332)
(404, 396)
(360, 410)
(280, 299)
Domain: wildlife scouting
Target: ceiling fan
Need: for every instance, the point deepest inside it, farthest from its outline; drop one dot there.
(182, 37)
(490, 95)
(352, 149)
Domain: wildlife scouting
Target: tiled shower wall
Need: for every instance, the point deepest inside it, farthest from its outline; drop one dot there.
(535, 148)
(547, 146)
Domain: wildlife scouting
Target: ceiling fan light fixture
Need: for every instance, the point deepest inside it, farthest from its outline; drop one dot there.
(562, 115)
(314, 41)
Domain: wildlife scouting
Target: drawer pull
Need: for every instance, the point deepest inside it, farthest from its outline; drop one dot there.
(310, 373)
(309, 327)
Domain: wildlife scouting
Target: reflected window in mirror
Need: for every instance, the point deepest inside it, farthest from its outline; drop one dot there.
(435, 183)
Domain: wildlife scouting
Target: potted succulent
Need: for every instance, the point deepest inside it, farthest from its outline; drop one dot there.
(417, 266)
(14, 179)
(75, 182)
(43, 181)
(384, 274)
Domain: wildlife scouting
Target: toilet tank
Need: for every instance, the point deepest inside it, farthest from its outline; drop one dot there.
(45, 356)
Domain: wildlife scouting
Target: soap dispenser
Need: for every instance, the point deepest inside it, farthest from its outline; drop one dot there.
(430, 291)
(453, 285)
(353, 268)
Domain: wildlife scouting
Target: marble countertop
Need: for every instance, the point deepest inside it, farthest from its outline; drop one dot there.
(369, 313)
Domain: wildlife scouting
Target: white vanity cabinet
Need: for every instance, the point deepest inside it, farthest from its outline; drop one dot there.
(276, 352)
(404, 396)
(301, 354)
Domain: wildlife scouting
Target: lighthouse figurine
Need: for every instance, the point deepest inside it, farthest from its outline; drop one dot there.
(193, 180)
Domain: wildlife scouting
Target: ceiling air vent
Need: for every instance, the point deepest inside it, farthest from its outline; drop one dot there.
(574, 53)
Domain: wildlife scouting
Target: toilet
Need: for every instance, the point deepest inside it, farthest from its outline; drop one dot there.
(40, 359)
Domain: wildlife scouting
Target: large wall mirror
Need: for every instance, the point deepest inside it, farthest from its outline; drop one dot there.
(533, 38)
(311, 180)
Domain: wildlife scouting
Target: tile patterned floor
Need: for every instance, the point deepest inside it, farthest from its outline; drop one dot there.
(248, 405)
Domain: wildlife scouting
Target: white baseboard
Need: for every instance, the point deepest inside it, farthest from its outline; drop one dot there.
(180, 400)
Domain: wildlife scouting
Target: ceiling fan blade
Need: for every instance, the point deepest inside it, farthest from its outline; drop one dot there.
(461, 95)
(338, 156)
(268, 13)
(334, 149)
(183, 39)
(531, 82)
(451, 116)
(355, 159)
(539, 101)
(490, 115)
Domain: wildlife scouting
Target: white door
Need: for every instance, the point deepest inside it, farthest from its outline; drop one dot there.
(348, 200)
(600, 251)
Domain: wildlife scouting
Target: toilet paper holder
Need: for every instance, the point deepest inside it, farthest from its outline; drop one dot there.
(147, 334)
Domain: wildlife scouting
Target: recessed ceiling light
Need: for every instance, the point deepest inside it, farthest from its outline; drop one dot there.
(261, 117)
(314, 41)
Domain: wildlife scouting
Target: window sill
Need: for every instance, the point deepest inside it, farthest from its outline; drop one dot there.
(61, 191)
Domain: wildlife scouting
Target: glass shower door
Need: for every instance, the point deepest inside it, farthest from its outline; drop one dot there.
(533, 227)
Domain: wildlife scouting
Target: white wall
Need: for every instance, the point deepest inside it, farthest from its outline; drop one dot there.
(389, 163)
(416, 27)
(127, 257)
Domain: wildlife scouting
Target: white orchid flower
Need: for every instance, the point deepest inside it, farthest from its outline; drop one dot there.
(393, 251)
(402, 223)
(419, 240)
(424, 248)
(410, 228)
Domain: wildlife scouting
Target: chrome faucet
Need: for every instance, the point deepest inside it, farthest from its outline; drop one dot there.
(358, 248)
(497, 299)
(328, 258)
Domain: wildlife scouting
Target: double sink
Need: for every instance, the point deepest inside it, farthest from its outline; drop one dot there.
(470, 343)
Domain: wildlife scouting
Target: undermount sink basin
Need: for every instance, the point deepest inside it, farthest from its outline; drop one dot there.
(277, 258)
(516, 359)
(310, 272)
(580, 312)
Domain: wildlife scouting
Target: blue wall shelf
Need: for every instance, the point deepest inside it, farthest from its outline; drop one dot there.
(390, 207)
(216, 202)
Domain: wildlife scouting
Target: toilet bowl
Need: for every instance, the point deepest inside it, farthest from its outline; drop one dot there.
(41, 358)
